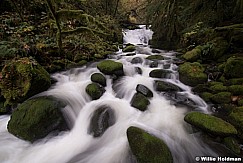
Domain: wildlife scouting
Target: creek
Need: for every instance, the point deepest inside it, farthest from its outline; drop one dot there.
(164, 117)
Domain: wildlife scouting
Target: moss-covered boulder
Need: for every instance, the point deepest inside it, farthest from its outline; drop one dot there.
(210, 124)
(232, 144)
(221, 98)
(216, 88)
(218, 48)
(159, 73)
(98, 78)
(101, 120)
(36, 118)
(136, 60)
(236, 89)
(163, 86)
(95, 91)
(206, 96)
(144, 90)
(129, 48)
(140, 102)
(148, 148)
(193, 55)
(110, 67)
(236, 119)
(23, 78)
(233, 68)
(192, 74)
(155, 57)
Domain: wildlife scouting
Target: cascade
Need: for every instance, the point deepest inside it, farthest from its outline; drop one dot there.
(164, 117)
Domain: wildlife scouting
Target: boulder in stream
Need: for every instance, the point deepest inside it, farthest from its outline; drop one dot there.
(163, 86)
(159, 73)
(36, 118)
(98, 78)
(95, 91)
(102, 119)
(140, 102)
(147, 148)
(155, 57)
(210, 124)
(144, 90)
(110, 67)
(129, 48)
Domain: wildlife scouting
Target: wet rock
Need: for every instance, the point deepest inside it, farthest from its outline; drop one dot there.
(110, 67)
(138, 70)
(27, 78)
(193, 55)
(210, 124)
(192, 74)
(98, 78)
(236, 119)
(101, 120)
(155, 57)
(95, 91)
(156, 51)
(140, 102)
(159, 73)
(129, 48)
(36, 118)
(144, 90)
(130, 54)
(163, 86)
(137, 60)
(221, 98)
(233, 68)
(154, 64)
(232, 144)
(147, 148)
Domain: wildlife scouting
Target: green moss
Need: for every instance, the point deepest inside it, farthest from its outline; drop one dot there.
(232, 144)
(236, 81)
(36, 118)
(147, 148)
(236, 119)
(110, 67)
(192, 55)
(95, 91)
(206, 96)
(222, 98)
(129, 48)
(98, 78)
(140, 102)
(240, 102)
(210, 124)
(218, 88)
(236, 89)
(233, 68)
(192, 74)
(21, 79)
(155, 57)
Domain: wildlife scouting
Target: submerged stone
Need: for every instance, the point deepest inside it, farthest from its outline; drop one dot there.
(148, 148)
(36, 118)
(210, 124)
(101, 120)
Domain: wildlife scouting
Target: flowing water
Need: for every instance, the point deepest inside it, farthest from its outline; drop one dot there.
(163, 118)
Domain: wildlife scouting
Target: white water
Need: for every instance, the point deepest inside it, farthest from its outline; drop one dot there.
(162, 118)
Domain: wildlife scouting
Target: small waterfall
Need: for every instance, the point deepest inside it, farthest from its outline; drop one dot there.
(163, 118)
